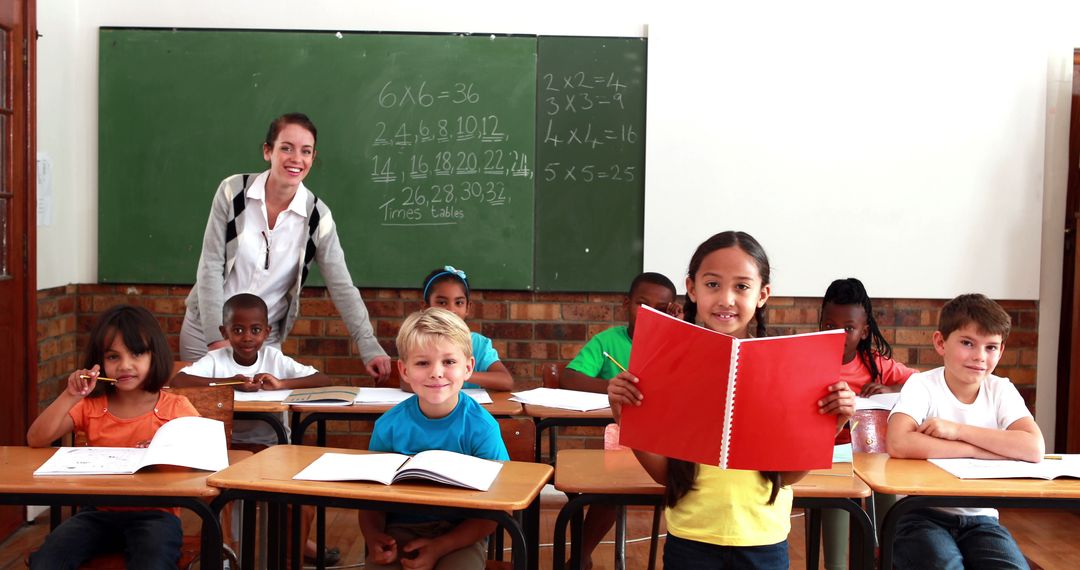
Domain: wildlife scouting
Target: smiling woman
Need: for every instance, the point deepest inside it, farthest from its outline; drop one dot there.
(263, 233)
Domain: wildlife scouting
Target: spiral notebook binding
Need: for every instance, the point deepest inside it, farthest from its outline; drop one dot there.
(729, 405)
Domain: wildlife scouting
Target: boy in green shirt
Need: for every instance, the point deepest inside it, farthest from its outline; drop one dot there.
(590, 371)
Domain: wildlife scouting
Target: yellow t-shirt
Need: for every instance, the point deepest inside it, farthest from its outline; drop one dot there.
(730, 508)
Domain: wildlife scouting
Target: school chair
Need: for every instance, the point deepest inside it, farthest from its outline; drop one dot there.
(211, 402)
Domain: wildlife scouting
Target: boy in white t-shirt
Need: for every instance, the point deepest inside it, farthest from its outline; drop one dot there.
(962, 410)
(247, 360)
(259, 367)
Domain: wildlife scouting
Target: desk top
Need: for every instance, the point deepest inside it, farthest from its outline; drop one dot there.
(18, 464)
(272, 407)
(618, 472)
(920, 477)
(544, 412)
(272, 470)
(500, 406)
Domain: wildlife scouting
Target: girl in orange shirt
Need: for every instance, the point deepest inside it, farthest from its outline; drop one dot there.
(127, 346)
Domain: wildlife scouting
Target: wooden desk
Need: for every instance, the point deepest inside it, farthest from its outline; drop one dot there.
(500, 407)
(269, 412)
(553, 418)
(267, 476)
(616, 477)
(151, 487)
(927, 485)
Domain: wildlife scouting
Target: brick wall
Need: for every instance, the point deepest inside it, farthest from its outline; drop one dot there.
(528, 329)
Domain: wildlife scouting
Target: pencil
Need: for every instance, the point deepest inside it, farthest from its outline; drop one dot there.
(99, 378)
(615, 362)
(233, 383)
(1052, 457)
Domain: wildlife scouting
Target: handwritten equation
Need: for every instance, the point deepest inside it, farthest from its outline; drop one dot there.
(449, 159)
(580, 114)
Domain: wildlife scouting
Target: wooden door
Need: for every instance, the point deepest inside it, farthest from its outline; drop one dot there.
(18, 330)
(1067, 426)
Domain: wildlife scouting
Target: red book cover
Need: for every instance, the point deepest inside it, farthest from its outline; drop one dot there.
(740, 404)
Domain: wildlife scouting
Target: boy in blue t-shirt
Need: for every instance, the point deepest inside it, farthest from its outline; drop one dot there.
(435, 359)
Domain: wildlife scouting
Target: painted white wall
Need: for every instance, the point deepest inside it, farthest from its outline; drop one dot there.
(776, 51)
(902, 147)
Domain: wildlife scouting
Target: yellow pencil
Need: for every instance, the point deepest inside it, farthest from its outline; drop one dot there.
(99, 378)
(615, 362)
(233, 383)
(1052, 457)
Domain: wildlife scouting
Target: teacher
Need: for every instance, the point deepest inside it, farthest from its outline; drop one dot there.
(263, 233)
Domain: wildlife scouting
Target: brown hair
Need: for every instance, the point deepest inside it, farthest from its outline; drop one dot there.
(989, 318)
(141, 333)
(289, 119)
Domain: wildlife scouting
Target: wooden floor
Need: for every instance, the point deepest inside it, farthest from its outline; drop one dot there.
(1049, 538)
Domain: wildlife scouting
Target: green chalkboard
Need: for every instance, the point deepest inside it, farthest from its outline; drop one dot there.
(425, 146)
(428, 151)
(590, 140)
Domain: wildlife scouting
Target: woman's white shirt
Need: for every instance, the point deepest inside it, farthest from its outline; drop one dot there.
(251, 273)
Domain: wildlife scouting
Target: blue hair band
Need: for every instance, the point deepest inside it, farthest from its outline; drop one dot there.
(447, 270)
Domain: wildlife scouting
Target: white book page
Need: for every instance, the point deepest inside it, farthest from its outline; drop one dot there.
(379, 467)
(877, 401)
(382, 396)
(966, 468)
(191, 441)
(479, 394)
(261, 396)
(455, 468)
(564, 399)
(93, 461)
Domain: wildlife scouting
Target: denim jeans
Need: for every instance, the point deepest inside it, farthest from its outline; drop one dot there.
(149, 539)
(682, 554)
(929, 538)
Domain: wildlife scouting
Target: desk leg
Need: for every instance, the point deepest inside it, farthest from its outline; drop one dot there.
(553, 444)
(297, 555)
(247, 548)
(539, 440)
(654, 538)
(813, 538)
(531, 525)
(572, 508)
(620, 537)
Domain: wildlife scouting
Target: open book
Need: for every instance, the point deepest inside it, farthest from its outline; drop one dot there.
(740, 404)
(1052, 467)
(192, 441)
(323, 396)
(434, 465)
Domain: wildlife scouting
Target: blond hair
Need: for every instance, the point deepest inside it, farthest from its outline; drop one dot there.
(431, 325)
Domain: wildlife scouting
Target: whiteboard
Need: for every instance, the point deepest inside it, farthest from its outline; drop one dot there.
(905, 149)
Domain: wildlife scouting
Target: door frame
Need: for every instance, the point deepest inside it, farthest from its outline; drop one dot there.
(1067, 424)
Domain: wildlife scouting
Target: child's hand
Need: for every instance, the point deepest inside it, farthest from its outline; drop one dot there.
(267, 381)
(675, 309)
(420, 554)
(249, 384)
(941, 429)
(79, 386)
(840, 401)
(622, 390)
(872, 388)
(382, 548)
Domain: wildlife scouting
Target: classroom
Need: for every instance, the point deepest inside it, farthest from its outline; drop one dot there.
(924, 149)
